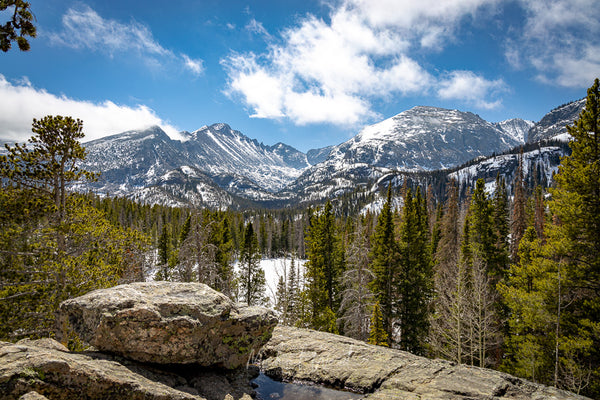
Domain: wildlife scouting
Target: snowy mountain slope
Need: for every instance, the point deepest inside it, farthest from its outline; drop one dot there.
(218, 150)
(132, 160)
(141, 164)
(538, 167)
(554, 123)
(420, 139)
(315, 156)
(423, 138)
(517, 128)
(220, 167)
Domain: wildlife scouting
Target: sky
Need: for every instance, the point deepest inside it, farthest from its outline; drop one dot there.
(308, 73)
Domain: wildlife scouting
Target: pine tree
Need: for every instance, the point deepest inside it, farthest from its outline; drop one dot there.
(323, 269)
(415, 281)
(501, 225)
(385, 265)
(54, 244)
(530, 293)
(484, 269)
(377, 335)
(252, 276)
(518, 222)
(293, 294)
(574, 244)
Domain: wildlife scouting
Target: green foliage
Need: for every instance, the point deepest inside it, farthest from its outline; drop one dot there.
(574, 244)
(385, 264)
(415, 280)
(252, 276)
(54, 244)
(323, 268)
(18, 27)
(530, 295)
(377, 335)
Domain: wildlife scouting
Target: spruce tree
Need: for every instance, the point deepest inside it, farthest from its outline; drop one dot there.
(414, 280)
(574, 244)
(518, 222)
(385, 264)
(530, 295)
(377, 335)
(323, 269)
(252, 276)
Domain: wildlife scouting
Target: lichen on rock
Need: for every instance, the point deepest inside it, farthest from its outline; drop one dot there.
(169, 323)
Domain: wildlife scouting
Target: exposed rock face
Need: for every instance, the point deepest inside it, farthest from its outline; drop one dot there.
(300, 354)
(169, 323)
(47, 368)
(555, 122)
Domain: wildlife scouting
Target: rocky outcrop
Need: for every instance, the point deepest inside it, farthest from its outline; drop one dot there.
(386, 374)
(47, 368)
(168, 323)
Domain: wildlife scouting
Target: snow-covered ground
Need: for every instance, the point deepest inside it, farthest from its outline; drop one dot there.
(275, 268)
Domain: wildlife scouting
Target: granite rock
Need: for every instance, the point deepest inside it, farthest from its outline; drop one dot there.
(168, 323)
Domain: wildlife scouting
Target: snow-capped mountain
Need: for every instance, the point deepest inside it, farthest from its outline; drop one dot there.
(219, 150)
(554, 123)
(423, 138)
(315, 156)
(217, 166)
(214, 166)
(417, 140)
(516, 127)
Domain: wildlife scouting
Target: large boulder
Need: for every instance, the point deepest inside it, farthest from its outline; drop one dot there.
(168, 323)
(388, 374)
(30, 369)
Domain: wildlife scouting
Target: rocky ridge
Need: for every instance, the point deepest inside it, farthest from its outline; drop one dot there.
(554, 123)
(388, 374)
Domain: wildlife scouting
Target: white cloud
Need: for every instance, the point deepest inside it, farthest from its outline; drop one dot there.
(20, 103)
(471, 88)
(330, 71)
(427, 22)
(559, 40)
(84, 28)
(258, 28)
(196, 66)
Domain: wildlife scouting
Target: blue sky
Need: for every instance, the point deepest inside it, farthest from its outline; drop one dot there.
(309, 73)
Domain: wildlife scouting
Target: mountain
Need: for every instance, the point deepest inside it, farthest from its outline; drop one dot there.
(516, 127)
(216, 166)
(315, 156)
(220, 150)
(423, 138)
(418, 140)
(554, 123)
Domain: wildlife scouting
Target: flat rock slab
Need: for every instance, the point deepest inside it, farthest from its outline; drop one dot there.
(34, 369)
(388, 374)
(168, 323)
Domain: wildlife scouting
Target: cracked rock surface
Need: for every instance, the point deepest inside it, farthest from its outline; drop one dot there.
(388, 374)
